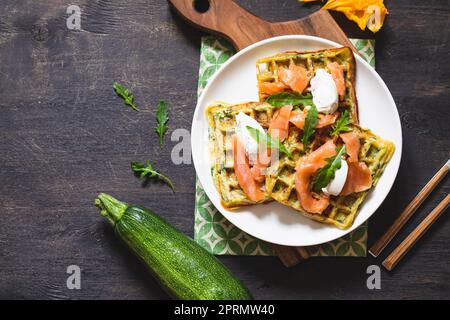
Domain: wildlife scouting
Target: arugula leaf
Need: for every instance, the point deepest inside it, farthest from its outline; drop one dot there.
(162, 117)
(312, 118)
(290, 98)
(341, 125)
(268, 140)
(148, 171)
(326, 174)
(125, 95)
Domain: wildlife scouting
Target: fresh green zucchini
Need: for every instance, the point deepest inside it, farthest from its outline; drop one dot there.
(184, 269)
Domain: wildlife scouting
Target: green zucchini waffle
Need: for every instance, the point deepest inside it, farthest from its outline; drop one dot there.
(375, 152)
(268, 72)
(222, 125)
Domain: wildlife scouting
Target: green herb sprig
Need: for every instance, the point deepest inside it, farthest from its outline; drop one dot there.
(290, 98)
(312, 118)
(269, 141)
(147, 171)
(162, 116)
(125, 95)
(342, 125)
(327, 173)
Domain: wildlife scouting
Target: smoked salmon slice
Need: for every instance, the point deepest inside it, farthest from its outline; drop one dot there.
(359, 178)
(272, 87)
(337, 72)
(243, 173)
(279, 125)
(352, 144)
(257, 172)
(260, 164)
(304, 171)
(279, 129)
(298, 119)
(296, 77)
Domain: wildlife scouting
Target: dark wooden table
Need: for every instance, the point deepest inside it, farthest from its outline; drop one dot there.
(65, 136)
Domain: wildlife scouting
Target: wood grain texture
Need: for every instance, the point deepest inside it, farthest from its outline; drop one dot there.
(410, 209)
(242, 28)
(65, 136)
(291, 256)
(395, 256)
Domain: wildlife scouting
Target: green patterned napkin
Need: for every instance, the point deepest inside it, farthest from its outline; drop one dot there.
(215, 233)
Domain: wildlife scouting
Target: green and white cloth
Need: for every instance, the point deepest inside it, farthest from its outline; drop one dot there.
(215, 233)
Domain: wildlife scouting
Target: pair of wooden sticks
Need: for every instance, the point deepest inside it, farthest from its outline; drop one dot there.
(392, 260)
(295, 255)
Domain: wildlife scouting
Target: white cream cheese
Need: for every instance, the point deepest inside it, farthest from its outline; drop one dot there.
(336, 185)
(262, 68)
(324, 92)
(250, 144)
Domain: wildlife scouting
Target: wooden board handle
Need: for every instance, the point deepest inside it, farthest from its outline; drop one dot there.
(291, 256)
(227, 19)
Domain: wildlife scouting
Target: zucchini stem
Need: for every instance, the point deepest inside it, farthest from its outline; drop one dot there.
(110, 207)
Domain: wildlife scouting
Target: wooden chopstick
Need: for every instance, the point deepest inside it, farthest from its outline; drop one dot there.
(376, 249)
(399, 252)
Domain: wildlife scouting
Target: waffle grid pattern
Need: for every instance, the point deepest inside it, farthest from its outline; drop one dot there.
(375, 152)
(267, 71)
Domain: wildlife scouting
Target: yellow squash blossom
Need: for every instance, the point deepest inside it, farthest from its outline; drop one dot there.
(370, 13)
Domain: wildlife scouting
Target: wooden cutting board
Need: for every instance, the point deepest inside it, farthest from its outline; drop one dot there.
(229, 20)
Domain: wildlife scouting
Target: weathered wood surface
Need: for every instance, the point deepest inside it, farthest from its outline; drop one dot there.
(64, 137)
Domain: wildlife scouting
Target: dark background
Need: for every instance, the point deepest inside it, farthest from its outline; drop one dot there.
(65, 136)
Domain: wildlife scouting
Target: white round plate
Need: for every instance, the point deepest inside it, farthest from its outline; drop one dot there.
(236, 82)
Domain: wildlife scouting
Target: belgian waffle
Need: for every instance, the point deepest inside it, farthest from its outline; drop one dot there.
(280, 181)
(222, 125)
(267, 71)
